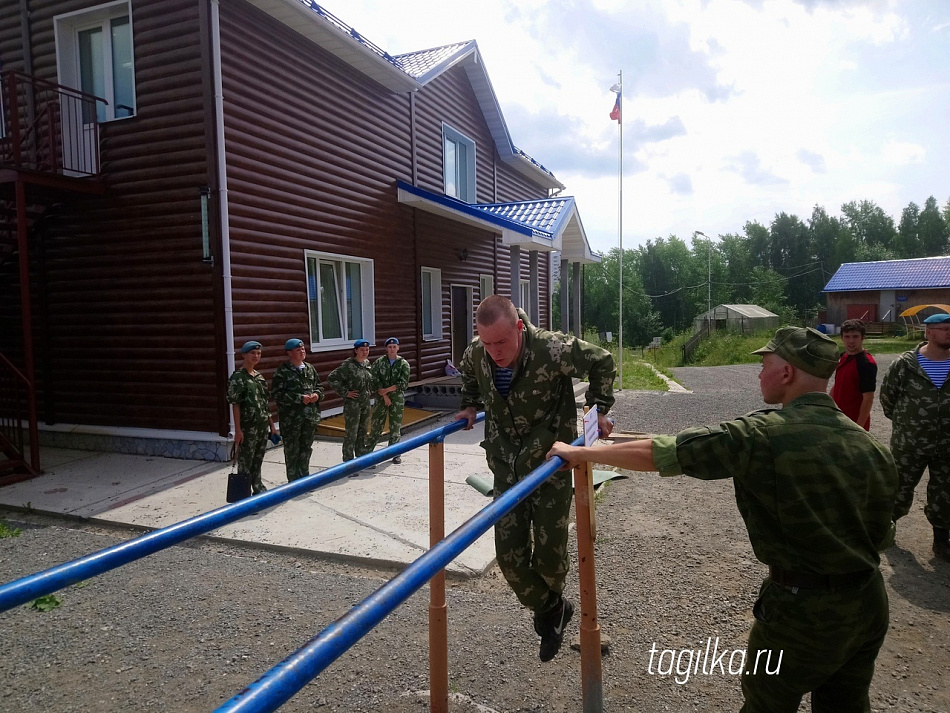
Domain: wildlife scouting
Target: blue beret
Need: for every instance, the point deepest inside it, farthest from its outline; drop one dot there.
(938, 319)
(360, 343)
(248, 346)
(293, 344)
(391, 340)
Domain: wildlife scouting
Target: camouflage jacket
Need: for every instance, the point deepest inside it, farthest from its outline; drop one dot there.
(540, 408)
(250, 393)
(352, 376)
(290, 384)
(920, 412)
(814, 488)
(395, 374)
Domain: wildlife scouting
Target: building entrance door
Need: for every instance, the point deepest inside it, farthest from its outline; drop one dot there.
(462, 319)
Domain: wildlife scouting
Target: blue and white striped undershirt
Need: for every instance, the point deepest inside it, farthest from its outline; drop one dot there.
(503, 380)
(936, 370)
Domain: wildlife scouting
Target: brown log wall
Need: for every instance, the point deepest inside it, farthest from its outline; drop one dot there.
(320, 175)
(125, 323)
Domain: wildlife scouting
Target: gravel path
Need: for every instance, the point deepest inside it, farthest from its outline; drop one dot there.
(187, 628)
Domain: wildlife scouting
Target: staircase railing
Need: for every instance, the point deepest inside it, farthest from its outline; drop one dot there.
(15, 393)
(48, 127)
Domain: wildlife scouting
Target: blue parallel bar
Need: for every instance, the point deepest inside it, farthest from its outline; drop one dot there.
(28, 588)
(279, 685)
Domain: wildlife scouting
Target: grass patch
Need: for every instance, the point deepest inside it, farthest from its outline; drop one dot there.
(7, 531)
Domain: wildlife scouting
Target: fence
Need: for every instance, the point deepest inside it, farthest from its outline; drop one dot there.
(284, 680)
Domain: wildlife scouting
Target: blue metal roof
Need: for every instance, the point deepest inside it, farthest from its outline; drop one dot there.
(544, 217)
(918, 273)
(418, 64)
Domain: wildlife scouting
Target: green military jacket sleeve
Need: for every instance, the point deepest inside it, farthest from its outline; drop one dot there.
(251, 395)
(395, 374)
(815, 489)
(352, 376)
(290, 384)
(920, 412)
(540, 408)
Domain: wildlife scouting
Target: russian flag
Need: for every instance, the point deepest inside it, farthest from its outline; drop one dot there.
(615, 112)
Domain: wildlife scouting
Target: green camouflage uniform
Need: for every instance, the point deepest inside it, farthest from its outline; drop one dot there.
(298, 421)
(353, 376)
(815, 491)
(920, 437)
(386, 375)
(250, 394)
(519, 431)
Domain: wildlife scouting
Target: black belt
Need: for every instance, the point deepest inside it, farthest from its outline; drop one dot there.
(828, 582)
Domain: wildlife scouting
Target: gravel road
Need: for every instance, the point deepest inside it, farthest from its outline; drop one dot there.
(187, 628)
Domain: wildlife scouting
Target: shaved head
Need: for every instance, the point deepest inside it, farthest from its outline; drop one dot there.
(496, 309)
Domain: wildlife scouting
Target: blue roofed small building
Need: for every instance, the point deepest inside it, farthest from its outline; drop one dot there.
(882, 291)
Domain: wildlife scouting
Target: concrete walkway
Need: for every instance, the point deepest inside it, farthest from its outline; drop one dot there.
(379, 517)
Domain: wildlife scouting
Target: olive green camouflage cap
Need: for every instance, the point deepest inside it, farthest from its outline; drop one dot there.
(804, 348)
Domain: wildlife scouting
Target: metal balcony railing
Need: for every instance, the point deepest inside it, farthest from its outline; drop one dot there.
(47, 127)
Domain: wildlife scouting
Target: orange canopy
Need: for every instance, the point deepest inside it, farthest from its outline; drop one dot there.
(914, 310)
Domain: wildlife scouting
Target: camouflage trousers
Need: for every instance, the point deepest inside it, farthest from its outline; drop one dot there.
(821, 641)
(356, 414)
(382, 412)
(531, 540)
(250, 453)
(298, 432)
(911, 463)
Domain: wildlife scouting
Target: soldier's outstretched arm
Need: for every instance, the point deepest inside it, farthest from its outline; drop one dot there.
(632, 455)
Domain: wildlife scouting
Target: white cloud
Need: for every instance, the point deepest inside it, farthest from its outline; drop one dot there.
(733, 110)
(902, 153)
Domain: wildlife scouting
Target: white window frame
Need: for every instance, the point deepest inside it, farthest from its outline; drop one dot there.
(338, 264)
(486, 286)
(431, 302)
(67, 28)
(461, 168)
(524, 289)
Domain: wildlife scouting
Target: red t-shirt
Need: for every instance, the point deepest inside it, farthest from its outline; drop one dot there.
(855, 375)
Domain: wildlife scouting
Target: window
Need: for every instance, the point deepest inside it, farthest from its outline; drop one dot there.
(94, 54)
(431, 303)
(486, 285)
(340, 299)
(458, 164)
(526, 296)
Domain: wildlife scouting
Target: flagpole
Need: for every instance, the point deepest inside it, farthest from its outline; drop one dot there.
(620, 227)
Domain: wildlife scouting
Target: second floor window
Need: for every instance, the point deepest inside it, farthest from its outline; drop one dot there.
(94, 55)
(459, 164)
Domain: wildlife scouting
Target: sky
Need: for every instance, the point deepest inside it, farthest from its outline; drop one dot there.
(733, 110)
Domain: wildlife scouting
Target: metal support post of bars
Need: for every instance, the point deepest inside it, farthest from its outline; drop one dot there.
(26, 589)
(279, 685)
(591, 671)
(438, 618)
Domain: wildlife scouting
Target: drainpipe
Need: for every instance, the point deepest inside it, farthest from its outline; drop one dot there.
(222, 184)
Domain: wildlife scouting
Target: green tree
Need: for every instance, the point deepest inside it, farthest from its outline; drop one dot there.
(870, 225)
(907, 244)
(602, 304)
(934, 234)
(668, 272)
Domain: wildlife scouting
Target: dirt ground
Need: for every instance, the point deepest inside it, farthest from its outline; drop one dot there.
(187, 628)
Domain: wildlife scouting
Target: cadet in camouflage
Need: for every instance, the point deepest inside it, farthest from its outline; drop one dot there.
(915, 395)
(391, 373)
(247, 393)
(815, 491)
(354, 381)
(297, 391)
(522, 377)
